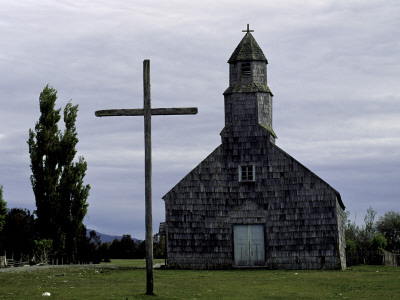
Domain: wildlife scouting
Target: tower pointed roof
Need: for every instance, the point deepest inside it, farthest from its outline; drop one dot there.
(247, 50)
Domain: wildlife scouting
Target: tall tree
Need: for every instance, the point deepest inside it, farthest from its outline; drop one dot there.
(44, 149)
(3, 209)
(72, 191)
(57, 180)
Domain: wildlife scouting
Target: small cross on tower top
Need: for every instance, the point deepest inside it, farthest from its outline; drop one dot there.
(248, 29)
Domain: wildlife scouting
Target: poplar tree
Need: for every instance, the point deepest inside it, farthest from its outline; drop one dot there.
(72, 191)
(44, 149)
(57, 178)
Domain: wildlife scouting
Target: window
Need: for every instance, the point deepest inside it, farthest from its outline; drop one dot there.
(246, 71)
(247, 173)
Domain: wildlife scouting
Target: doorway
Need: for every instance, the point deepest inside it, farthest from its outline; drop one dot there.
(249, 245)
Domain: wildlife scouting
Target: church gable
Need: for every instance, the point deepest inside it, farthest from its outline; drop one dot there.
(296, 208)
(277, 175)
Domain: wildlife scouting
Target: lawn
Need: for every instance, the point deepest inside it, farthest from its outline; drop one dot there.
(125, 279)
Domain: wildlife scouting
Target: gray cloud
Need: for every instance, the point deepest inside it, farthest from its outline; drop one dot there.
(333, 68)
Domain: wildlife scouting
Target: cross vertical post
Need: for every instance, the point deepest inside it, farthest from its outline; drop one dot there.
(148, 174)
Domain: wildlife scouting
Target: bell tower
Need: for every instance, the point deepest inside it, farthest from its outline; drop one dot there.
(248, 99)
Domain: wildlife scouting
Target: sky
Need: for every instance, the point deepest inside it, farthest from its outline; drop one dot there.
(334, 70)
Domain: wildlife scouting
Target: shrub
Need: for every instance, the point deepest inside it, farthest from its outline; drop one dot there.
(378, 242)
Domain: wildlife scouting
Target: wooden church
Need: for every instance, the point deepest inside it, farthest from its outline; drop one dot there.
(249, 203)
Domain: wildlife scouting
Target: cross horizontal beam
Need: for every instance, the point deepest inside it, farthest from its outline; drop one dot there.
(140, 111)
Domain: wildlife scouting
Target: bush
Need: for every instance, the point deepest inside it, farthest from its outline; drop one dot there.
(378, 242)
(43, 250)
(350, 246)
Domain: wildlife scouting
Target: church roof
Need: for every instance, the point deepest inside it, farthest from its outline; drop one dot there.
(247, 50)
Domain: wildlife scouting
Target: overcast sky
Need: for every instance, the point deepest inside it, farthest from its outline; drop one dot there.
(333, 69)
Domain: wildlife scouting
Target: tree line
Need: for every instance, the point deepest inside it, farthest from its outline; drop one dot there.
(373, 235)
(128, 248)
(19, 237)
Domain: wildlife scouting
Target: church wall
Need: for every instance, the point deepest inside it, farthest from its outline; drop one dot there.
(233, 73)
(259, 72)
(296, 208)
(241, 108)
(342, 238)
(265, 109)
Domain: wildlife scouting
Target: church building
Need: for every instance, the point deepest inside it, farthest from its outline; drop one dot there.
(249, 203)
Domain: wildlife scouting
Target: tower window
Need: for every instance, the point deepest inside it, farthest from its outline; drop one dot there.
(247, 173)
(246, 71)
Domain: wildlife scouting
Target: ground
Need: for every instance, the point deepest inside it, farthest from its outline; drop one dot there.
(126, 279)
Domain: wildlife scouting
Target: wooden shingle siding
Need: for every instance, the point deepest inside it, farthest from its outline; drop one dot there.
(301, 217)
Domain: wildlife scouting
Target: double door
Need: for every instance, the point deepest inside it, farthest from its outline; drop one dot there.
(249, 247)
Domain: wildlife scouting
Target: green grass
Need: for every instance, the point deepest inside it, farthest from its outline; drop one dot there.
(134, 263)
(125, 279)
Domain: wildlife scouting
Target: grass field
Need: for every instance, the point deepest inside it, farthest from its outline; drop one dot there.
(125, 279)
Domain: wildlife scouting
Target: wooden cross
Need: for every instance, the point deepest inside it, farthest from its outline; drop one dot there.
(248, 29)
(147, 111)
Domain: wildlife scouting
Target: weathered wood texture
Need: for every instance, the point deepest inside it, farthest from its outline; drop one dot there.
(300, 212)
(148, 176)
(302, 215)
(140, 112)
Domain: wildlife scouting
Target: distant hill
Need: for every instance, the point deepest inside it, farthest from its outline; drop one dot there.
(105, 238)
